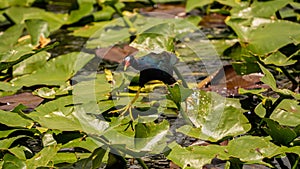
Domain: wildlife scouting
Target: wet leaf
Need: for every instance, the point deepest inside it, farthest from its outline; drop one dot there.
(259, 9)
(156, 39)
(263, 36)
(58, 70)
(48, 140)
(287, 113)
(215, 117)
(194, 156)
(51, 93)
(253, 149)
(6, 88)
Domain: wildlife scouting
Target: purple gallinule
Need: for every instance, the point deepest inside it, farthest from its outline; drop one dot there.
(152, 67)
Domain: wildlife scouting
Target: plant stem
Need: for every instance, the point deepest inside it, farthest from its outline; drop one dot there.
(295, 84)
(125, 19)
(184, 83)
(295, 166)
(142, 163)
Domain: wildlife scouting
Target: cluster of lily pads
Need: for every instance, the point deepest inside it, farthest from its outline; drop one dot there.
(73, 126)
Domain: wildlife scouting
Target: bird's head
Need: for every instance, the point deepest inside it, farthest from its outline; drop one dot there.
(130, 61)
(127, 61)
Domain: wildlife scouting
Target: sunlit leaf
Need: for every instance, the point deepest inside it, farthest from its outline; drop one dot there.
(58, 70)
(253, 149)
(11, 162)
(85, 8)
(264, 37)
(114, 32)
(88, 143)
(31, 64)
(60, 114)
(19, 14)
(9, 38)
(287, 113)
(259, 9)
(13, 119)
(19, 151)
(215, 117)
(6, 143)
(42, 158)
(193, 157)
(51, 93)
(7, 88)
(268, 78)
(157, 39)
(62, 157)
(278, 59)
(151, 137)
(37, 28)
(178, 94)
(191, 4)
(89, 30)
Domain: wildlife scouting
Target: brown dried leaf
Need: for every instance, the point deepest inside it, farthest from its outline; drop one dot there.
(116, 53)
(8, 103)
(230, 82)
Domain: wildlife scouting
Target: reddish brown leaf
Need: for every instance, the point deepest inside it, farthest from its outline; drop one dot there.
(27, 99)
(115, 53)
(165, 10)
(230, 82)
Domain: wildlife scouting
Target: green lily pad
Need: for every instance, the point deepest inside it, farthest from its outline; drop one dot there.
(280, 135)
(193, 157)
(13, 119)
(287, 113)
(8, 39)
(85, 9)
(19, 14)
(215, 118)
(57, 71)
(151, 137)
(11, 161)
(268, 78)
(44, 157)
(278, 59)
(37, 28)
(253, 149)
(31, 64)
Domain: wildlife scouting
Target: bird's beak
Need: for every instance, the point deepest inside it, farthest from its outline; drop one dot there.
(126, 65)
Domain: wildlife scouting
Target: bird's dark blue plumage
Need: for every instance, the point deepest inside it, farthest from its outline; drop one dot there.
(154, 67)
